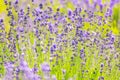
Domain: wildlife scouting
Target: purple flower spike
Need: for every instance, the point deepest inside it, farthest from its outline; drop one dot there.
(50, 27)
(36, 77)
(113, 2)
(40, 6)
(45, 67)
(9, 66)
(82, 54)
(9, 73)
(69, 12)
(1, 20)
(75, 2)
(74, 42)
(87, 3)
(20, 29)
(37, 32)
(54, 46)
(99, 1)
(94, 5)
(82, 50)
(16, 2)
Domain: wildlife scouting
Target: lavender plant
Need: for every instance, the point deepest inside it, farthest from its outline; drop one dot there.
(60, 40)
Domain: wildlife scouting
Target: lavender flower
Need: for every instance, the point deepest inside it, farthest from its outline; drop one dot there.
(69, 12)
(59, 32)
(101, 78)
(102, 65)
(113, 2)
(9, 73)
(20, 29)
(82, 54)
(1, 21)
(45, 67)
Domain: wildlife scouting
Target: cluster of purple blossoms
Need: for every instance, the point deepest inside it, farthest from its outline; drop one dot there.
(37, 28)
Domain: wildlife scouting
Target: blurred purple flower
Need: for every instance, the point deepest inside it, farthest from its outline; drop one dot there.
(113, 2)
(82, 54)
(20, 29)
(45, 67)
(9, 73)
(69, 12)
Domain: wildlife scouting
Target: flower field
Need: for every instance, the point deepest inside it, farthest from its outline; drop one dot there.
(59, 39)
